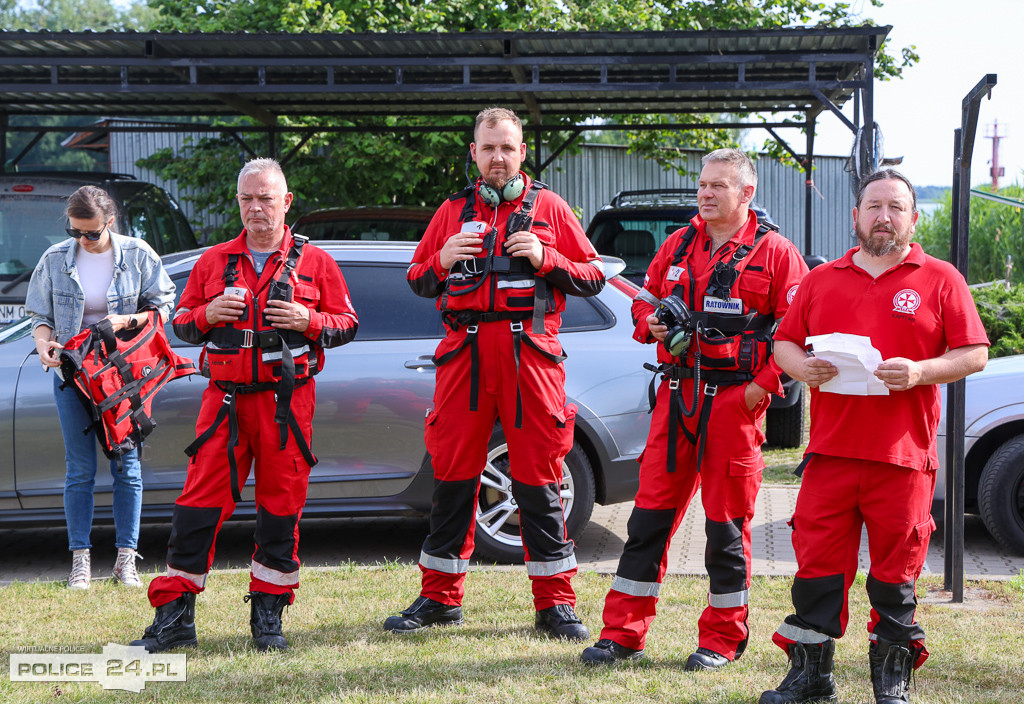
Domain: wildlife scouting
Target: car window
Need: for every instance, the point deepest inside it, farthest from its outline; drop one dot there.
(585, 314)
(387, 307)
(28, 226)
(373, 229)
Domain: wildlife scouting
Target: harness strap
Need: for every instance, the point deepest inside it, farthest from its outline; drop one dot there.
(228, 412)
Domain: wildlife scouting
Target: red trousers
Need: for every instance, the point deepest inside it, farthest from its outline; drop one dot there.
(729, 478)
(282, 477)
(457, 440)
(838, 496)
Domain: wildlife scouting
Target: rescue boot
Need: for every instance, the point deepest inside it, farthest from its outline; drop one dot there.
(265, 620)
(606, 652)
(560, 621)
(422, 613)
(892, 664)
(704, 659)
(174, 626)
(809, 678)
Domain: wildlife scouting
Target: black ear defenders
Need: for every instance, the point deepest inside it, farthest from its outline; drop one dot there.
(673, 313)
(510, 191)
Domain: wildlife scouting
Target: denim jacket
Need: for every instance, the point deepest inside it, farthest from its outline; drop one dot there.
(55, 296)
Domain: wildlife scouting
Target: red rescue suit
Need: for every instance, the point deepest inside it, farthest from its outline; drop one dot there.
(247, 415)
(860, 471)
(501, 359)
(768, 270)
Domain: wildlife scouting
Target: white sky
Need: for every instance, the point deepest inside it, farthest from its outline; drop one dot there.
(959, 41)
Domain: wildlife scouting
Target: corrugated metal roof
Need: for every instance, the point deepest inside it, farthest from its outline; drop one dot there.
(543, 74)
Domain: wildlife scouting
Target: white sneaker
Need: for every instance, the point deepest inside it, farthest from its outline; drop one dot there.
(124, 568)
(81, 570)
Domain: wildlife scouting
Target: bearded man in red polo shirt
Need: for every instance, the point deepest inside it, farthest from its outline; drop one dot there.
(871, 459)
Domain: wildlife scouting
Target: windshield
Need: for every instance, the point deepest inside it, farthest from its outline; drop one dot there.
(374, 229)
(28, 226)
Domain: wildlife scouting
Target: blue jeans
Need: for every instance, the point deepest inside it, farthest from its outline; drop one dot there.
(80, 457)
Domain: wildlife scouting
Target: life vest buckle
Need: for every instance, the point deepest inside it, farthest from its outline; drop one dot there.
(673, 383)
(247, 337)
(711, 390)
(472, 329)
(516, 325)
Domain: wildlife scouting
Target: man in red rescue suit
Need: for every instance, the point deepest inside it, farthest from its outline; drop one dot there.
(500, 256)
(871, 459)
(265, 305)
(720, 284)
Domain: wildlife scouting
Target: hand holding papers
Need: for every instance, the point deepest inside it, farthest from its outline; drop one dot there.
(855, 358)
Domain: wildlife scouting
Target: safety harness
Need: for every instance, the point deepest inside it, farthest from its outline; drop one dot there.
(750, 329)
(508, 272)
(273, 345)
(117, 376)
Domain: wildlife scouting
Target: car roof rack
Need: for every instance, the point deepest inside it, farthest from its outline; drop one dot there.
(656, 196)
(97, 176)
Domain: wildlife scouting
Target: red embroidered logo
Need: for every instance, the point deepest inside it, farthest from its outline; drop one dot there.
(906, 301)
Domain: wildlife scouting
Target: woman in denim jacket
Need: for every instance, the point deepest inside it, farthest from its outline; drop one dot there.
(94, 275)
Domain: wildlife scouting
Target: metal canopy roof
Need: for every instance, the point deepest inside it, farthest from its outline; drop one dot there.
(545, 75)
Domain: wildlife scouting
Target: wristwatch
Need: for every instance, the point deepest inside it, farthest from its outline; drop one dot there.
(132, 323)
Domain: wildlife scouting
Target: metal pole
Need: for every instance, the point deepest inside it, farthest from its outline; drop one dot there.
(808, 188)
(963, 152)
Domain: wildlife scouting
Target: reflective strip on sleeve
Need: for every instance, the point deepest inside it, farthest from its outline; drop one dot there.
(647, 297)
(443, 564)
(549, 569)
(281, 579)
(728, 601)
(801, 635)
(633, 588)
(197, 579)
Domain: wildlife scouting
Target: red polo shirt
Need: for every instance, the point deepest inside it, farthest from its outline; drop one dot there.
(918, 310)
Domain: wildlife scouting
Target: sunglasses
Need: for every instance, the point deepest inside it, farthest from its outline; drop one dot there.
(91, 236)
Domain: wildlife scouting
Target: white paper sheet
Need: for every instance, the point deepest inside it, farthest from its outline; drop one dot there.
(855, 358)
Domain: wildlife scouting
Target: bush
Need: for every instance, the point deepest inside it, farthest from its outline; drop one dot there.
(1002, 312)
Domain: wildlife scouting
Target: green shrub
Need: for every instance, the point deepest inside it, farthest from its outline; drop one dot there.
(1002, 312)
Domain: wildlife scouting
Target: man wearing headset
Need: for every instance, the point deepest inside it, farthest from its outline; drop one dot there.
(719, 285)
(500, 256)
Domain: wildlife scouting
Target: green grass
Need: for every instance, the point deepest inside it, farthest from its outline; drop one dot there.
(340, 654)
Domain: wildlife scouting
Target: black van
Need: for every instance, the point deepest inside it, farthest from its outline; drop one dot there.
(32, 219)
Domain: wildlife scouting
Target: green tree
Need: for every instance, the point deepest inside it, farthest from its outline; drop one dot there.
(996, 232)
(75, 15)
(345, 170)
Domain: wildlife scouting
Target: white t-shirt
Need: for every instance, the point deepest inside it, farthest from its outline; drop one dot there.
(95, 272)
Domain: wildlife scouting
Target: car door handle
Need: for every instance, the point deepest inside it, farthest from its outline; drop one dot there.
(420, 363)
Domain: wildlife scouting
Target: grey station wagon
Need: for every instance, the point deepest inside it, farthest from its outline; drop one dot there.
(372, 398)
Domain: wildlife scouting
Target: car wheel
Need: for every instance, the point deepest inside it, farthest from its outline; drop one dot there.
(1001, 495)
(785, 426)
(497, 517)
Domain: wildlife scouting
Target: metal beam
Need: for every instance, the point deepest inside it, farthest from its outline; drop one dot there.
(963, 154)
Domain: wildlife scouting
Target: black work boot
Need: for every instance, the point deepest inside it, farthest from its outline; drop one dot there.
(809, 678)
(422, 613)
(174, 626)
(560, 621)
(704, 659)
(265, 619)
(892, 664)
(606, 652)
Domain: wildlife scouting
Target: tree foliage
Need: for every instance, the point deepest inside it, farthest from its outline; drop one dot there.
(1002, 312)
(76, 15)
(352, 169)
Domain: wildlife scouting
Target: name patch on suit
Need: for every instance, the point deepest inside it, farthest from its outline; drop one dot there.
(719, 305)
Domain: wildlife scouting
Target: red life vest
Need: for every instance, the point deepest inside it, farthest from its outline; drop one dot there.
(117, 376)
